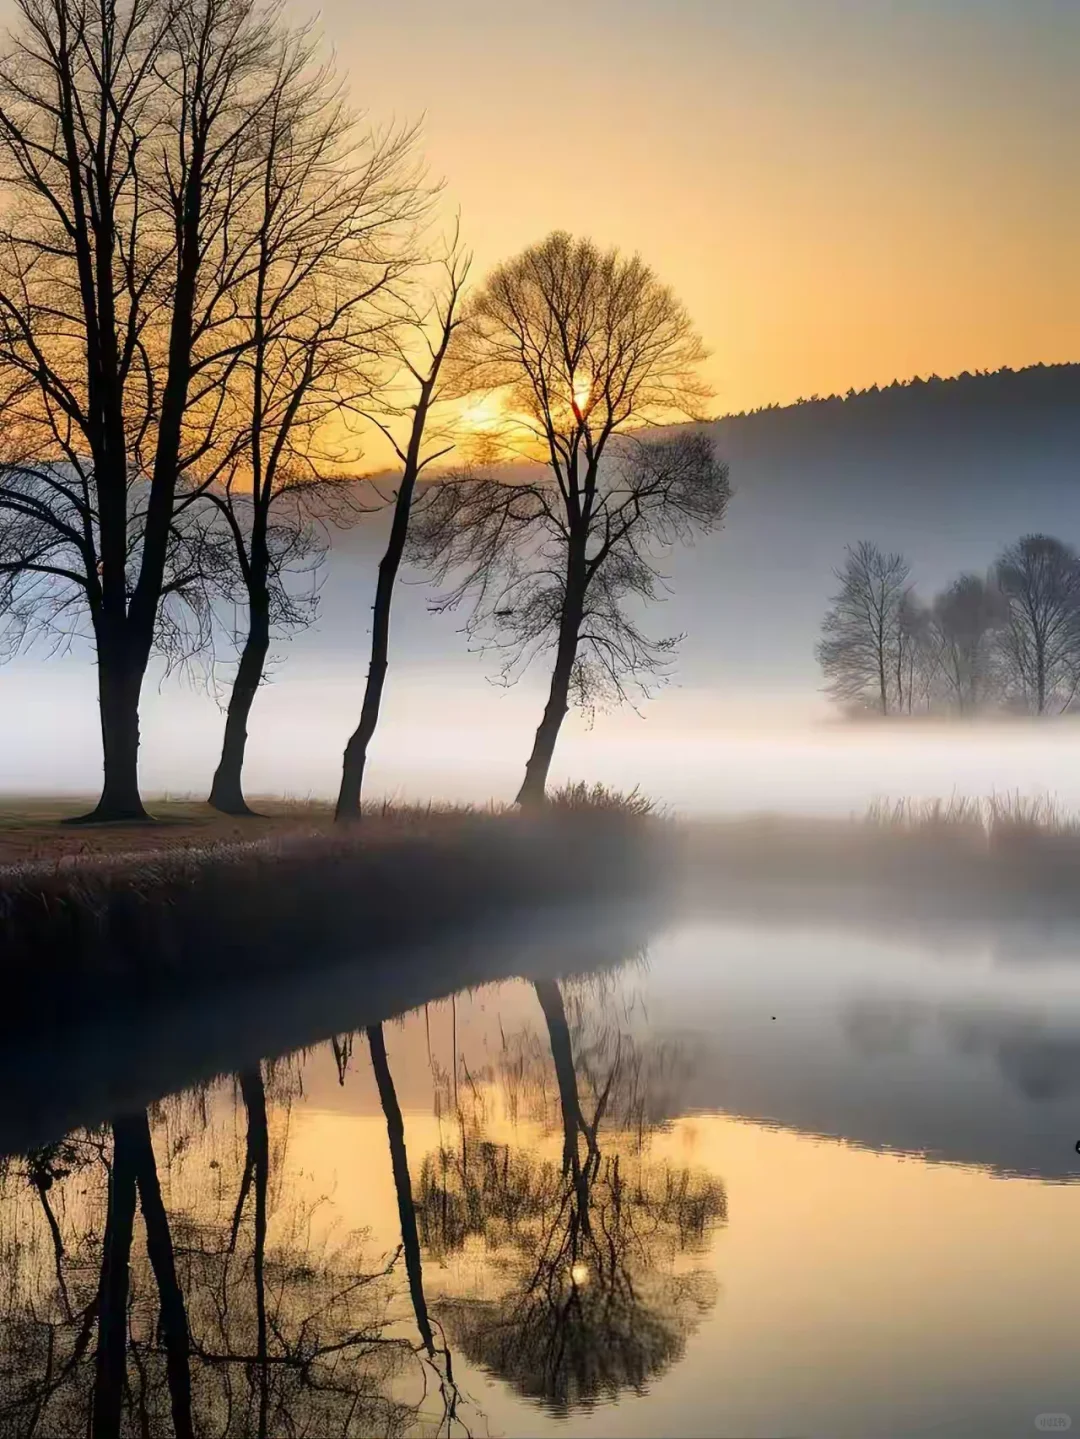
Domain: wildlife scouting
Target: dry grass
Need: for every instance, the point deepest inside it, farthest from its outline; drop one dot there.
(32, 829)
(578, 797)
(190, 907)
(999, 817)
(1003, 853)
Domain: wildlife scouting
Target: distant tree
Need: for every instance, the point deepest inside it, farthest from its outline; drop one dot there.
(1039, 577)
(967, 622)
(916, 655)
(435, 326)
(582, 345)
(861, 648)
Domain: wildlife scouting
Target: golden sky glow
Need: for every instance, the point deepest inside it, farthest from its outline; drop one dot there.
(842, 191)
(842, 1273)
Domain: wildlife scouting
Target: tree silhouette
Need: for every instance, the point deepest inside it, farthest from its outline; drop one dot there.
(125, 141)
(590, 1298)
(436, 329)
(967, 622)
(860, 651)
(582, 346)
(1039, 577)
(211, 1326)
(410, 1238)
(163, 166)
(328, 227)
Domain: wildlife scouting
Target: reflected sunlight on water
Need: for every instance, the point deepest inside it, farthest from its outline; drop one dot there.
(762, 1184)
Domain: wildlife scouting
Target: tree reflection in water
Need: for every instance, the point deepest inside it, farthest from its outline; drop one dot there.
(589, 1291)
(219, 1316)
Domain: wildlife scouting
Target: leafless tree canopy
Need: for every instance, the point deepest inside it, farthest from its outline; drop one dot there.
(583, 346)
(1010, 640)
(1040, 643)
(580, 343)
(967, 622)
(193, 230)
(861, 650)
(505, 545)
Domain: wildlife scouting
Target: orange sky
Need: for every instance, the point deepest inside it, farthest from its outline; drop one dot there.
(842, 191)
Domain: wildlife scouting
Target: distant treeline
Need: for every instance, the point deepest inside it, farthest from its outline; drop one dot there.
(1044, 385)
(1008, 640)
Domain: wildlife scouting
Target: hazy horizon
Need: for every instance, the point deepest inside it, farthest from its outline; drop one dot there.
(934, 471)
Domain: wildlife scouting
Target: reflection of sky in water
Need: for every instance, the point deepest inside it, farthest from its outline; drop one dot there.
(969, 1060)
(802, 1284)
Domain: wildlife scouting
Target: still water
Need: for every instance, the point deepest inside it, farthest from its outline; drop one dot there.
(754, 1180)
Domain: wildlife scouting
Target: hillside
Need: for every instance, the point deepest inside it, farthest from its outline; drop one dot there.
(945, 470)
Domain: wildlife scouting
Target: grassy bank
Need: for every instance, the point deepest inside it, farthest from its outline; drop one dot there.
(130, 927)
(182, 907)
(32, 828)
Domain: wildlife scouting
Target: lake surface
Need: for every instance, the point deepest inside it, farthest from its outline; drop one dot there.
(752, 1180)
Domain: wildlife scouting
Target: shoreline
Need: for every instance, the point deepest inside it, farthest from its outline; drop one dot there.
(122, 1061)
(85, 937)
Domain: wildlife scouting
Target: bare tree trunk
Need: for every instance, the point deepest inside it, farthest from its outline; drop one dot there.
(399, 1160)
(551, 1002)
(562, 1052)
(119, 685)
(159, 1247)
(257, 1165)
(110, 1367)
(355, 758)
(227, 792)
(533, 786)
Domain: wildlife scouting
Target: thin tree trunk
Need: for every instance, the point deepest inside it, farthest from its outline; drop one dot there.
(533, 786)
(257, 1165)
(395, 1129)
(159, 1247)
(355, 757)
(110, 1365)
(226, 792)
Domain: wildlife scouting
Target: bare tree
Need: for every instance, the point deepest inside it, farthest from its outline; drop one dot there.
(1039, 577)
(967, 619)
(916, 654)
(234, 1318)
(861, 632)
(330, 227)
(128, 137)
(581, 345)
(586, 1301)
(435, 327)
